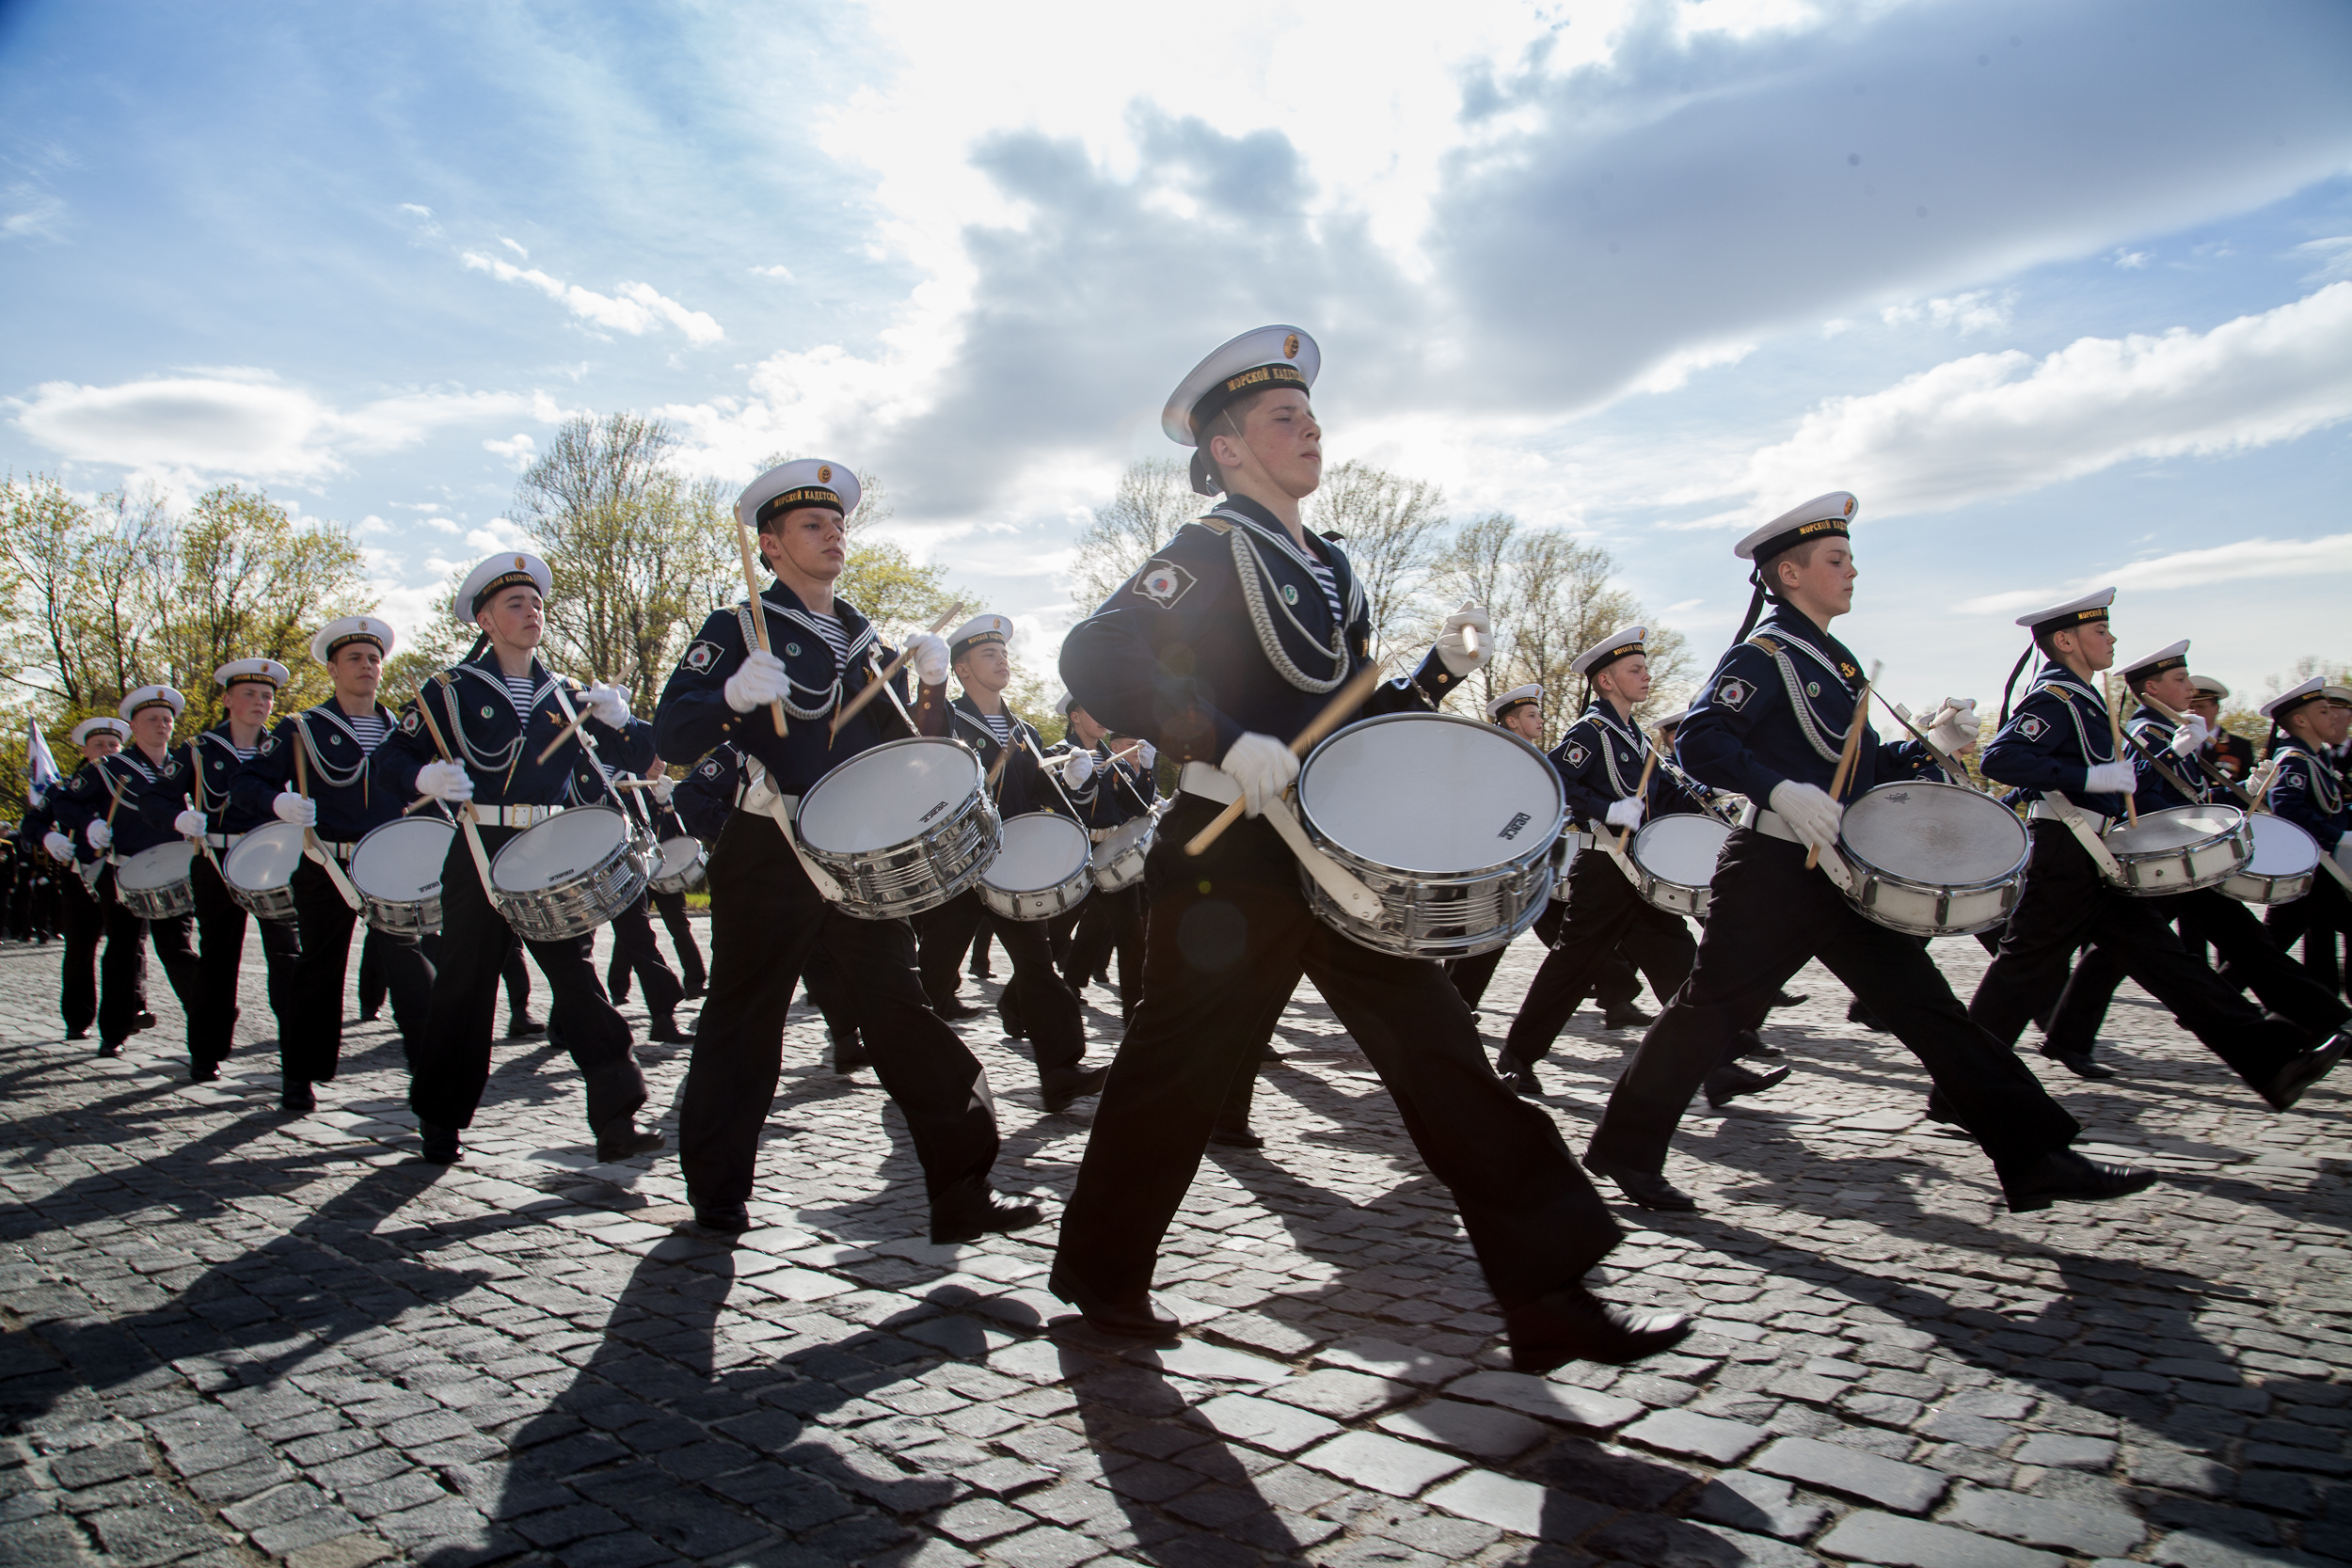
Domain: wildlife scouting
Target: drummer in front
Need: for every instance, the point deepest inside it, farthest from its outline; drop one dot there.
(1221, 648)
(2171, 760)
(1769, 724)
(215, 824)
(125, 805)
(767, 916)
(2057, 748)
(343, 803)
(1601, 762)
(2309, 723)
(80, 915)
(495, 711)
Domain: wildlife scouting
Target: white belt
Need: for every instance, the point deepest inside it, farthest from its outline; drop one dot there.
(2043, 811)
(514, 816)
(1210, 784)
(1769, 823)
(1215, 783)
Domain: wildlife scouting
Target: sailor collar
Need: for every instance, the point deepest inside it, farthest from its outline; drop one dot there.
(1816, 643)
(855, 630)
(969, 711)
(1265, 525)
(488, 668)
(2065, 683)
(1601, 716)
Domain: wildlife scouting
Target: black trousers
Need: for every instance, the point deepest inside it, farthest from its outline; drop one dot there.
(1229, 936)
(452, 1061)
(1605, 916)
(633, 948)
(2207, 915)
(1767, 916)
(516, 973)
(373, 986)
(1047, 1009)
(1473, 974)
(2065, 904)
(83, 919)
(220, 926)
(765, 920)
(829, 991)
(121, 972)
(2316, 920)
(671, 908)
(310, 1030)
(1110, 924)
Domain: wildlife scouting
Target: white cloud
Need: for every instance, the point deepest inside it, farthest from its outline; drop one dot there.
(1995, 425)
(2239, 561)
(1967, 313)
(2334, 255)
(637, 310)
(440, 525)
(518, 450)
(516, 249)
(1674, 372)
(779, 270)
(30, 213)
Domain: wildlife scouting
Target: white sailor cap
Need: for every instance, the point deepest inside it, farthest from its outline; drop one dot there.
(1829, 517)
(1255, 362)
(802, 482)
(1670, 721)
(1621, 643)
(87, 727)
(2208, 687)
(2294, 697)
(238, 670)
(501, 571)
(979, 629)
(338, 635)
(1513, 698)
(2072, 613)
(146, 697)
(2337, 693)
(2173, 655)
(1063, 703)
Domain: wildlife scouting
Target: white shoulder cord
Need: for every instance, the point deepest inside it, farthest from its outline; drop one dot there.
(489, 762)
(1248, 565)
(831, 694)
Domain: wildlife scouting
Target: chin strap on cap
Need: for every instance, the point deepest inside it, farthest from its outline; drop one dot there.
(2009, 685)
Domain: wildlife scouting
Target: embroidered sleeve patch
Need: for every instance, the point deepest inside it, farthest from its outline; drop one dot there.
(2030, 727)
(1734, 693)
(1577, 755)
(1163, 582)
(701, 657)
(710, 769)
(268, 746)
(409, 720)
(2291, 778)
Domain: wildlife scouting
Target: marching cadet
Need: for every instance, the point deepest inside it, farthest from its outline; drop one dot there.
(472, 739)
(1227, 642)
(151, 779)
(2306, 723)
(2227, 756)
(634, 949)
(1110, 790)
(81, 918)
(765, 912)
(1601, 762)
(2057, 748)
(338, 741)
(2170, 761)
(1036, 1006)
(249, 689)
(1769, 724)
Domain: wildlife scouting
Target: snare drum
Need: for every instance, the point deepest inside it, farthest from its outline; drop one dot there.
(1119, 859)
(2284, 863)
(2179, 849)
(903, 827)
(1461, 875)
(570, 874)
(397, 869)
(258, 869)
(1674, 860)
(158, 883)
(1043, 866)
(683, 866)
(1935, 860)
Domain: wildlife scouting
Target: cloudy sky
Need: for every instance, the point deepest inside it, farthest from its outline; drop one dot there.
(2063, 291)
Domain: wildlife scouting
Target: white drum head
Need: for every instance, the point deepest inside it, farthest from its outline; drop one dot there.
(2175, 828)
(1681, 849)
(1427, 792)
(1040, 850)
(1937, 834)
(161, 866)
(401, 862)
(558, 849)
(1124, 837)
(677, 855)
(2281, 848)
(265, 857)
(887, 796)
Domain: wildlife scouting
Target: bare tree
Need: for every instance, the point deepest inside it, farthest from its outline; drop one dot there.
(1154, 499)
(1393, 529)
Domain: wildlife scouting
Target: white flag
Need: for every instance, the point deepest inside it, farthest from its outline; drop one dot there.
(40, 766)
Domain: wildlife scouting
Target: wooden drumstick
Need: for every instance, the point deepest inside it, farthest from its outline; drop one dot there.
(1640, 791)
(1345, 702)
(759, 619)
(1849, 753)
(2115, 738)
(849, 711)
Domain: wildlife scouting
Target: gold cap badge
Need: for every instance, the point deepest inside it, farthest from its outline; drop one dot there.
(1290, 346)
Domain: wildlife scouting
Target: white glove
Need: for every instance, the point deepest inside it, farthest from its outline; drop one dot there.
(928, 651)
(607, 705)
(1263, 767)
(1625, 813)
(444, 781)
(303, 812)
(59, 846)
(1454, 648)
(760, 796)
(190, 824)
(1809, 812)
(758, 679)
(1956, 727)
(663, 788)
(1147, 754)
(99, 834)
(1077, 769)
(2112, 778)
(2191, 736)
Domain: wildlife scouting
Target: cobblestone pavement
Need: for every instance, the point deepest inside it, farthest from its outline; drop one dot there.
(234, 1335)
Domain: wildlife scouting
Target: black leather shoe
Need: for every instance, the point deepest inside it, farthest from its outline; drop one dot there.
(521, 1026)
(626, 1141)
(967, 1211)
(1857, 1013)
(1627, 1017)
(1783, 999)
(145, 1021)
(1645, 1189)
(1753, 1044)
(695, 992)
(1059, 1089)
(666, 1032)
(79, 1035)
(1577, 1326)
(848, 1054)
(110, 1048)
(1243, 1140)
(294, 1094)
(1008, 1016)
(1940, 1109)
(1132, 1320)
(1730, 1081)
(371, 1015)
(441, 1143)
(2064, 1176)
(203, 1073)
(728, 1219)
(2079, 1063)
(954, 1010)
(1517, 1076)
(618, 994)
(2287, 1085)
